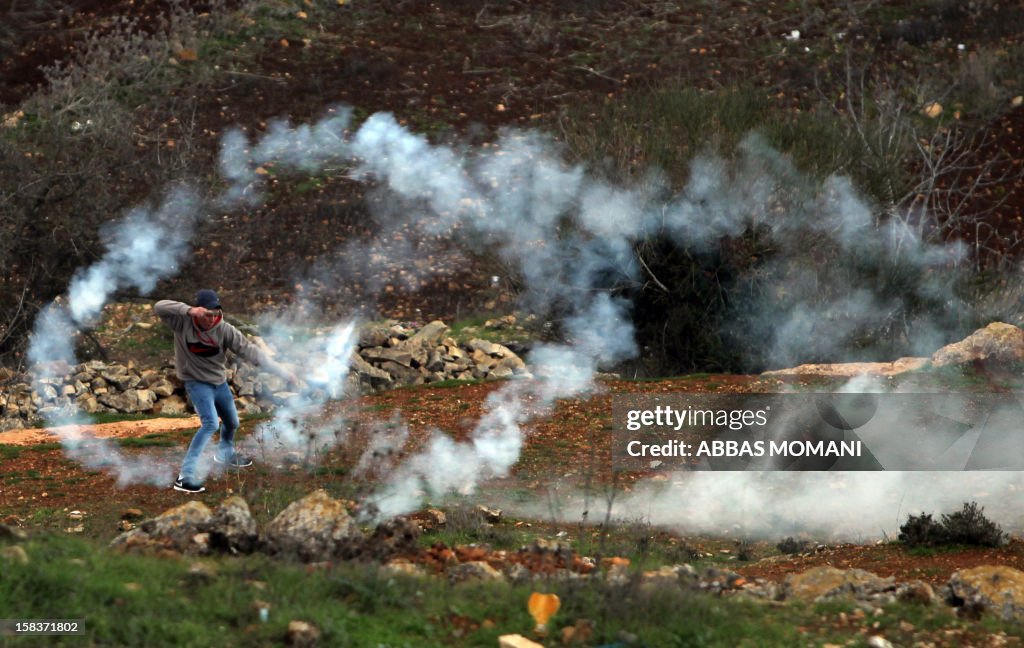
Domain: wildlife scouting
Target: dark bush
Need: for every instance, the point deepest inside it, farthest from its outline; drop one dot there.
(792, 546)
(922, 531)
(969, 526)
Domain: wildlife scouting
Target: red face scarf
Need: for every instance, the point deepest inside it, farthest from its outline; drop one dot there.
(207, 345)
(216, 321)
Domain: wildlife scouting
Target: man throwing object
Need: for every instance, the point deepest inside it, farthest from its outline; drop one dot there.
(201, 340)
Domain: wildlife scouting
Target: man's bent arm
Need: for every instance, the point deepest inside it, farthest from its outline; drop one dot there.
(175, 314)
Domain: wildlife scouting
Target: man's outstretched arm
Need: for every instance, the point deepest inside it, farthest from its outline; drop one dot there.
(237, 342)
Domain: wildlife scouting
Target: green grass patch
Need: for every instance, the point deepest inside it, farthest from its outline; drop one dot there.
(256, 418)
(148, 441)
(140, 600)
(10, 452)
(44, 447)
(157, 341)
(330, 471)
(472, 327)
(137, 600)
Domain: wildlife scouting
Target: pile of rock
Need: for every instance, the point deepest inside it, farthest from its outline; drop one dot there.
(394, 355)
(90, 387)
(387, 357)
(314, 529)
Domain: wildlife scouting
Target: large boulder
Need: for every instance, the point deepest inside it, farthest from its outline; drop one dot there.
(988, 589)
(173, 405)
(162, 387)
(131, 400)
(374, 336)
(232, 527)
(427, 337)
(313, 529)
(369, 374)
(998, 344)
(180, 529)
(381, 354)
(824, 583)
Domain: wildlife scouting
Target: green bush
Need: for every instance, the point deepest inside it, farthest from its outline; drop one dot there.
(968, 526)
(922, 531)
(791, 545)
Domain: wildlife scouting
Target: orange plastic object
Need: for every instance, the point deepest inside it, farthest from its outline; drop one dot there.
(542, 607)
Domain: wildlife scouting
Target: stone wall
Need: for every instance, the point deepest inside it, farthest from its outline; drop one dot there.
(387, 357)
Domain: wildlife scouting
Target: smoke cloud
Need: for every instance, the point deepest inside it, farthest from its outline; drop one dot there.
(147, 245)
(853, 507)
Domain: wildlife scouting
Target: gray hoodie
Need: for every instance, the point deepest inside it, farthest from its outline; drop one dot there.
(200, 355)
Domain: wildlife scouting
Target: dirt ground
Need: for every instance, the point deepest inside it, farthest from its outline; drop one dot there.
(116, 430)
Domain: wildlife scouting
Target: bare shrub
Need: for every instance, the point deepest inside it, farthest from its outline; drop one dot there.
(111, 124)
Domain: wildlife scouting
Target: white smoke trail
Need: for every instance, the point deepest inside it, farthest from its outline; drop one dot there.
(326, 358)
(145, 247)
(567, 235)
(496, 441)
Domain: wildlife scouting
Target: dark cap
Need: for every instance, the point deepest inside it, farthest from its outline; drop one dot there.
(207, 299)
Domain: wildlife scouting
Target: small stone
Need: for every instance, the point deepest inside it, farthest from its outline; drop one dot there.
(14, 553)
(404, 568)
(429, 520)
(492, 516)
(201, 572)
(302, 633)
(474, 570)
(10, 532)
(516, 641)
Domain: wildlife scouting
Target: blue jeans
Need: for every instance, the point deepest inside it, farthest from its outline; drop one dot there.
(210, 402)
